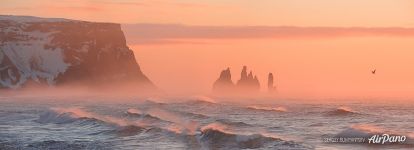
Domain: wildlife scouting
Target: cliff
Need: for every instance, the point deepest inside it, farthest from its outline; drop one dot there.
(61, 52)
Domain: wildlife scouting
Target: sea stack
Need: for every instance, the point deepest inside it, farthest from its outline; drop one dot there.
(247, 84)
(224, 84)
(270, 81)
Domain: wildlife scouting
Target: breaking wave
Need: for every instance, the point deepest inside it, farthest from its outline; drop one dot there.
(204, 99)
(264, 108)
(362, 130)
(201, 101)
(63, 116)
(123, 127)
(74, 114)
(193, 115)
(201, 124)
(218, 136)
(144, 117)
(342, 111)
(133, 111)
(235, 124)
(167, 120)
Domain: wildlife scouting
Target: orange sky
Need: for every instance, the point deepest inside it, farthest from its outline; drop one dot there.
(307, 61)
(329, 67)
(368, 13)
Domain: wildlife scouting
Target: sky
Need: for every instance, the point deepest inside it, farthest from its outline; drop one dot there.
(367, 13)
(318, 48)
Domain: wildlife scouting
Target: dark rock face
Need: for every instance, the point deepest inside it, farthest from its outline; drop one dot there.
(61, 51)
(224, 82)
(270, 87)
(247, 84)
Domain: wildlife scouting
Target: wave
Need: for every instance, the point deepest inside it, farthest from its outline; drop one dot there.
(234, 124)
(192, 115)
(205, 99)
(66, 145)
(168, 120)
(64, 117)
(316, 124)
(362, 130)
(144, 117)
(154, 101)
(342, 111)
(263, 108)
(201, 101)
(73, 114)
(133, 111)
(82, 118)
(216, 136)
(129, 130)
(220, 136)
(163, 120)
(156, 114)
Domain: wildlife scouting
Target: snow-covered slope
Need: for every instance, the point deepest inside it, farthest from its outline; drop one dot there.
(62, 51)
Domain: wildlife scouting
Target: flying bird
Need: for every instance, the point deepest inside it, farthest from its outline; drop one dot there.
(374, 71)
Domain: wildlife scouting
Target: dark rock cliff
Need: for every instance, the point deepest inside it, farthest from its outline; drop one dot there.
(63, 52)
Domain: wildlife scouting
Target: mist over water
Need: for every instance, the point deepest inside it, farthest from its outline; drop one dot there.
(196, 122)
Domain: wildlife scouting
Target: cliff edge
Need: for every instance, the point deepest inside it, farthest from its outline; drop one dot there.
(50, 51)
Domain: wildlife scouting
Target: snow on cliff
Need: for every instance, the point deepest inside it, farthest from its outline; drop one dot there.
(57, 51)
(25, 19)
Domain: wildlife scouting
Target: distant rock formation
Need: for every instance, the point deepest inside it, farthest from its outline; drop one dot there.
(247, 84)
(270, 81)
(224, 83)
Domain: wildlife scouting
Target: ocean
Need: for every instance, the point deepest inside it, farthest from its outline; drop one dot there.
(93, 122)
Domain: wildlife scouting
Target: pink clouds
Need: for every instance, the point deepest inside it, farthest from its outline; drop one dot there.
(170, 33)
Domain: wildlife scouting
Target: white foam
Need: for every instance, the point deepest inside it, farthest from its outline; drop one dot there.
(134, 111)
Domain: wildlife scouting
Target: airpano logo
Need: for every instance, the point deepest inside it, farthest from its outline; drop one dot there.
(374, 139)
(386, 138)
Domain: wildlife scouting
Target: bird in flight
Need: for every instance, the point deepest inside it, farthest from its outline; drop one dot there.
(374, 71)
